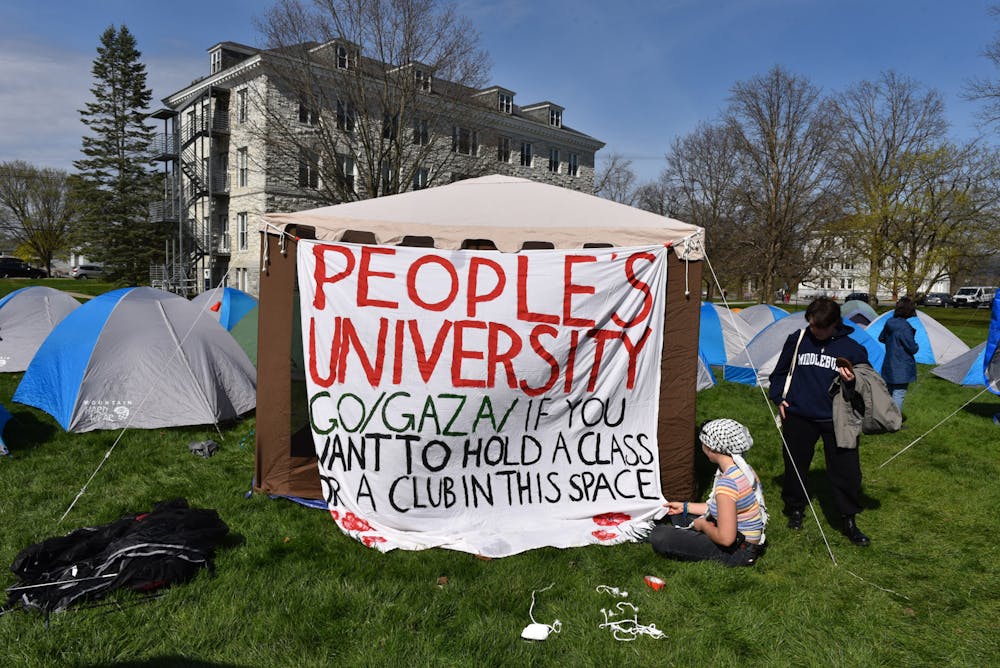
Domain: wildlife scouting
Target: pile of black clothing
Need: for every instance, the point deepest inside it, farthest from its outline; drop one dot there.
(144, 552)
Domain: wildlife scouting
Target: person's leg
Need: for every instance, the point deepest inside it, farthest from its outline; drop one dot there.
(689, 545)
(898, 391)
(843, 467)
(800, 436)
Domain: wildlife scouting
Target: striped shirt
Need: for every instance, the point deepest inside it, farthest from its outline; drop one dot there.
(735, 485)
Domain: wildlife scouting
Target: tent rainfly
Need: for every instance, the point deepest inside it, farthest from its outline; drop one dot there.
(937, 344)
(722, 335)
(491, 212)
(141, 358)
(757, 361)
(26, 318)
(859, 312)
(760, 316)
(991, 356)
(225, 305)
(966, 369)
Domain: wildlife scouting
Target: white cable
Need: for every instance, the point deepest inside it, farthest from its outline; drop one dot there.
(555, 626)
(628, 629)
(771, 410)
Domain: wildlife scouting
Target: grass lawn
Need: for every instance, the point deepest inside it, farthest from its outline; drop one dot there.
(297, 592)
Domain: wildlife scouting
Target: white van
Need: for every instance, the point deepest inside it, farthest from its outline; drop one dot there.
(974, 297)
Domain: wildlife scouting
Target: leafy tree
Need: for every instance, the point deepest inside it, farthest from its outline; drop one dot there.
(115, 183)
(888, 131)
(35, 211)
(384, 96)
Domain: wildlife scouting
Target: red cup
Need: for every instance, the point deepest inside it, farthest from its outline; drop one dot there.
(654, 583)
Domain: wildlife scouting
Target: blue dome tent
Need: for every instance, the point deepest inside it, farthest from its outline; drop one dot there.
(100, 364)
(937, 344)
(227, 305)
(722, 334)
(26, 318)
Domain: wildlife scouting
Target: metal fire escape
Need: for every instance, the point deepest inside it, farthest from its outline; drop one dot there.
(195, 200)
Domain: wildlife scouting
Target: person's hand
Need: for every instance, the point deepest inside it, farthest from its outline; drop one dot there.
(674, 507)
(846, 373)
(781, 408)
(699, 524)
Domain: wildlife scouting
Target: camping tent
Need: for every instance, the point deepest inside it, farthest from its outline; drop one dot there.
(966, 369)
(858, 312)
(991, 356)
(757, 362)
(226, 305)
(4, 419)
(501, 212)
(760, 316)
(722, 334)
(99, 366)
(937, 344)
(705, 377)
(26, 318)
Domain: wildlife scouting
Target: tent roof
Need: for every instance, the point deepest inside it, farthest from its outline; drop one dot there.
(506, 210)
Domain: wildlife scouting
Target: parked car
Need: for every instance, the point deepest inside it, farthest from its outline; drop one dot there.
(974, 297)
(942, 299)
(85, 271)
(871, 300)
(15, 267)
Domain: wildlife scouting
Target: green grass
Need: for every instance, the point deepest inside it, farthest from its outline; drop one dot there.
(299, 593)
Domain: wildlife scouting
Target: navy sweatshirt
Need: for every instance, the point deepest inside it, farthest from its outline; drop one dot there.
(808, 396)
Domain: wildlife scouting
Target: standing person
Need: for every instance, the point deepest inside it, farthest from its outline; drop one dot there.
(899, 368)
(805, 404)
(729, 527)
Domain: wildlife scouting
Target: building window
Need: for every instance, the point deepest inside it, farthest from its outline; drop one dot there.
(390, 126)
(555, 118)
(242, 238)
(506, 105)
(343, 57)
(216, 60)
(526, 158)
(241, 105)
(388, 176)
(847, 284)
(554, 160)
(423, 80)
(848, 265)
(242, 171)
(224, 240)
(503, 149)
(345, 164)
(420, 178)
(308, 169)
(345, 116)
(573, 165)
(307, 114)
(421, 132)
(464, 141)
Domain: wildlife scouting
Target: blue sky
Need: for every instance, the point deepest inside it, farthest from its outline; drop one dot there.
(634, 73)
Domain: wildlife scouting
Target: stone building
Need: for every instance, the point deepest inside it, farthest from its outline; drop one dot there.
(222, 170)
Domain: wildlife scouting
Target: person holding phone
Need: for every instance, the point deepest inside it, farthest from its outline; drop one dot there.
(806, 410)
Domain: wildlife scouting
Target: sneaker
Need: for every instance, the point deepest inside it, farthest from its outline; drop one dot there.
(795, 518)
(851, 530)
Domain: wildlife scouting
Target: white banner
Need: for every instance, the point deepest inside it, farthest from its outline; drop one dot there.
(481, 401)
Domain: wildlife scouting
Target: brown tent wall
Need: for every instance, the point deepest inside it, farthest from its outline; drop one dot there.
(285, 463)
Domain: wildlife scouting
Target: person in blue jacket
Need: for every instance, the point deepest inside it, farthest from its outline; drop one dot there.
(806, 411)
(899, 368)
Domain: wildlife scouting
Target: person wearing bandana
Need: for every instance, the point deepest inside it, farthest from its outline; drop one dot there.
(729, 527)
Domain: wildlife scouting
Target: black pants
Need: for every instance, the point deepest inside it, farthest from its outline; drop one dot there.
(690, 545)
(843, 466)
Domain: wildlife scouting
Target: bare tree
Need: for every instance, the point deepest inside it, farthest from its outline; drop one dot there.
(985, 90)
(35, 210)
(702, 174)
(371, 97)
(885, 126)
(615, 180)
(782, 135)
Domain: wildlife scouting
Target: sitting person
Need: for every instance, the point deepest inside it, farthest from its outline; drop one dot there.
(729, 527)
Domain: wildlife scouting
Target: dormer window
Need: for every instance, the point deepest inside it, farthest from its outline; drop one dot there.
(343, 57)
(216, 57)
(555, 118)
(423, 79)
(506, 104)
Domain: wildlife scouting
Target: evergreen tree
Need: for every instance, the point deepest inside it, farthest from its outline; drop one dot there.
(116, 182)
